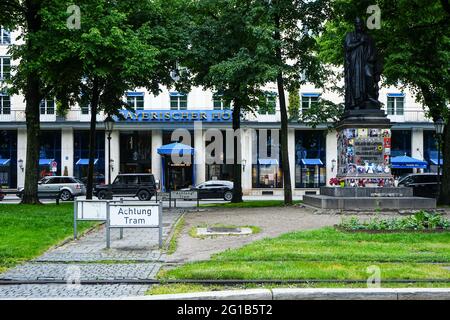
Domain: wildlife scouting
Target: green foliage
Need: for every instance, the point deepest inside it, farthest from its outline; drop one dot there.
(419, 221)
(231, 50)
(413, 40)
(294, 104)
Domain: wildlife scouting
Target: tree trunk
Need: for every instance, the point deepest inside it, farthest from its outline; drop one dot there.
(445, 181)
(284, 119)
(92, 138)
(237, 171)
(33, 98)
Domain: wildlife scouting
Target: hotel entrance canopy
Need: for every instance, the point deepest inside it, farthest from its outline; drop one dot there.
(175, 148)
(178, 149)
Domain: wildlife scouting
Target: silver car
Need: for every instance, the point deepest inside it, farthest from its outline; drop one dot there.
(68, 186)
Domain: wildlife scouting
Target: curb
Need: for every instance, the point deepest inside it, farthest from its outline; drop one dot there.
(311, 294)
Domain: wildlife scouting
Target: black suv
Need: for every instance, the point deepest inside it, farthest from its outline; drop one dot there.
(141, 185)
(423, 184)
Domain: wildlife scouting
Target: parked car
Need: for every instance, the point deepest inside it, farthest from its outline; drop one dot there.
(214, 189)
(423, 184)
(98, 179)
(69, 187)
(141, 185)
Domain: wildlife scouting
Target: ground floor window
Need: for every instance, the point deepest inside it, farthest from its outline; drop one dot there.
(310, 158)
(266, 169)
(50, 153)
(401, 143)
(8, 159)
(216, 167)
(81, 156)
(177, 175)
(136, 152)
(430, 152)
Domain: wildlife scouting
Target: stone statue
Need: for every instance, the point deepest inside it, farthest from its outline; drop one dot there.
(362, 70)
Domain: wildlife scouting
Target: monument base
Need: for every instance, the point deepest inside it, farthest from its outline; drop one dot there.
(386, 198)
(363, 168)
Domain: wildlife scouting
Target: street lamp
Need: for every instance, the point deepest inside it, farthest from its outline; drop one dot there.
(109, 126)
(439, 125)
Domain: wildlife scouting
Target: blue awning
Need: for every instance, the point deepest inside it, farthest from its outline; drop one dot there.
(4, 162)
(85, 162)
(177, 94)
(175, 148)
(45, 162)
(396, 95)
(435, 161)
(405, 162)
(135, 94)
(310, 94)
(312, 162)
(268, 162)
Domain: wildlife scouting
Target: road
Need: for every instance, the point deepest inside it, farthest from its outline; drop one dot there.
(12, 199)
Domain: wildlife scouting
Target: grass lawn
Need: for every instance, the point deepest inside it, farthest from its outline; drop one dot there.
(27, 231)
(328, 254)
(249, 204)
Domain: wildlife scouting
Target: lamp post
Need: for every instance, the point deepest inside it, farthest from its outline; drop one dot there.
(109, 126)
(439, 126)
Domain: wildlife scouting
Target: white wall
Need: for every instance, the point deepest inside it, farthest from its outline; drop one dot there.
(331, 142)
(21, 155)
(115, 155)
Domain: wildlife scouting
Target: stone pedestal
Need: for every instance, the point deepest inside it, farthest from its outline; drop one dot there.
(364, 180)
(364, 149)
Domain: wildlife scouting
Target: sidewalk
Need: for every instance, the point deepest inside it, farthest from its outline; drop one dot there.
(134, 257)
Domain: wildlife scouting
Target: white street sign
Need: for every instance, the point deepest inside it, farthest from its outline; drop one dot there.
(134, 215)
(91, 210)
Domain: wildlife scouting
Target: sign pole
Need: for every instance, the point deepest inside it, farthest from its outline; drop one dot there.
(108, 238)
(160, 225)
(121, 233)
(198, 201)
(75, 216)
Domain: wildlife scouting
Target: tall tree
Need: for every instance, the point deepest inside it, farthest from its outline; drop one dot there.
(296, 24)
(415, 43)
(25, 17)
(231, 52)
(121, 45)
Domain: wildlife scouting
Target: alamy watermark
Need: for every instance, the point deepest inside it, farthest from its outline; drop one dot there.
(374, 20)
(74, 20)
(73, 278)
(374, 279)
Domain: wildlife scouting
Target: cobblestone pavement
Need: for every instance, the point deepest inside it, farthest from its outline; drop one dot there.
(89, 271)
(136, 256)
(68, 291)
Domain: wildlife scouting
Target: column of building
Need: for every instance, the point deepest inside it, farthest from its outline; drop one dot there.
(21, 156)
(417, 150)
(115, 155)
(157, 141)
(331, 150)
(67, 151)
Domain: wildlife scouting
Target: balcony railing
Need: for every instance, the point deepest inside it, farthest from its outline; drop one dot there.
(75, 115)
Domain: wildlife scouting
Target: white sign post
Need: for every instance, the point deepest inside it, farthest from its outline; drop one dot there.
(88, 210)
(133, 215)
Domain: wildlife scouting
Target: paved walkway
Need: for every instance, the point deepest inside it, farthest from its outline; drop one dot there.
(134, 257)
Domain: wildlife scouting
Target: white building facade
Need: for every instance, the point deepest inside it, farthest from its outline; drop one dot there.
(136, 140)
